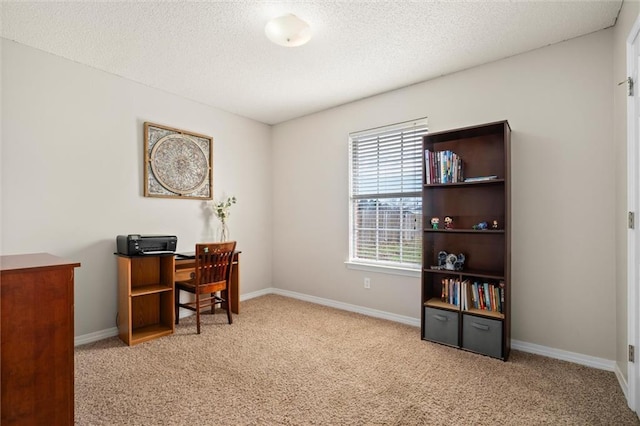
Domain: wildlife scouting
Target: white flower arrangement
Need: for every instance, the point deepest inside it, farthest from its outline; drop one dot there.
(221, 210)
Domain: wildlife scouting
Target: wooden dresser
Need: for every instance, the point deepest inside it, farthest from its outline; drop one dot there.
(36, 339)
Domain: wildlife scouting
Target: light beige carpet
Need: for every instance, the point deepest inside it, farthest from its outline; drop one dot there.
(288, 362)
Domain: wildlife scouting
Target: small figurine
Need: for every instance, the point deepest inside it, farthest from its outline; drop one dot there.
(495, 224)
(434, 222)
(480, 226)
(448, 223)
(442, 259)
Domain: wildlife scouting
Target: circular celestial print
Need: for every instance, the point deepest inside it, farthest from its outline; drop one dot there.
(179, 164)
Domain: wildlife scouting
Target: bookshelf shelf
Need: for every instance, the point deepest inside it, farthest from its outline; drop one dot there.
(481, 313)
(469, 308)
(467, 231)
(149, 289)
(437, 303)
(491, 275)
(475, 183)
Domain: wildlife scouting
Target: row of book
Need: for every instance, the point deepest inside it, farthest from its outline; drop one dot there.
(473, 295)
(442, 167)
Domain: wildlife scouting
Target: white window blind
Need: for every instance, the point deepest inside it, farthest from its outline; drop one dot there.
(386, 194)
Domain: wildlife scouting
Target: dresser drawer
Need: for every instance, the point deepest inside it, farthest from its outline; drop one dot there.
(482, 335)
(441, 326)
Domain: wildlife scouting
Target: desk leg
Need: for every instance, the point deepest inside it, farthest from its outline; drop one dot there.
(235, 288)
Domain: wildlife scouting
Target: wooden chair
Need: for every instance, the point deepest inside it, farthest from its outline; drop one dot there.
(212, 274)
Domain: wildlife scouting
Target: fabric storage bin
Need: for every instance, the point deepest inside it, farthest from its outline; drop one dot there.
(482, 335)
(441, 326)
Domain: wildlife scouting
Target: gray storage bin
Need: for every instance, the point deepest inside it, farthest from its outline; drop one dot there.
(441, 326)
(482, 335)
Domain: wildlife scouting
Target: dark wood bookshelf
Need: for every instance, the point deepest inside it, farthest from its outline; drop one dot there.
(485, 151)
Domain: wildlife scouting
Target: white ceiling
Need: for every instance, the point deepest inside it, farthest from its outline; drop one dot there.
(216, 53)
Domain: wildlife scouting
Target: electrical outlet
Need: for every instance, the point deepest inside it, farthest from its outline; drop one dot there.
(367, 282)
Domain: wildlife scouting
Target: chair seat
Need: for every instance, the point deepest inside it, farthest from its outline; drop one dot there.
(191, 286)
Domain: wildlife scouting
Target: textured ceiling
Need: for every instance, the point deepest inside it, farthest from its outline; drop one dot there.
(216, 53)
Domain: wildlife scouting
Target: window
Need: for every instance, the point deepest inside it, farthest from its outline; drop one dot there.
(386, 195)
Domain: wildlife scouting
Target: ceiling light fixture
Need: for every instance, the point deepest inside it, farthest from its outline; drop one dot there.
(288, 30)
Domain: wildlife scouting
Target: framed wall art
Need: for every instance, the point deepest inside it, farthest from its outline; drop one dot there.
(177, 163)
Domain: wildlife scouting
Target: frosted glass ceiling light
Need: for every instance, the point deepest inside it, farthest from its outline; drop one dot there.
(288, 31)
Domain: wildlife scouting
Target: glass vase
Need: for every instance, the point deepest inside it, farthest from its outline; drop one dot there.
(224, 232)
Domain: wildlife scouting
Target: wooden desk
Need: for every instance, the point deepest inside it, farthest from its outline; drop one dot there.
(185, 265)
(36, 295)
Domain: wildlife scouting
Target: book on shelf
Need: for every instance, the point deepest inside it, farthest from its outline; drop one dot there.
(467, 300)
(450, 291)
(480, 178)
(485, 296)
(471, 295)
(442, 167)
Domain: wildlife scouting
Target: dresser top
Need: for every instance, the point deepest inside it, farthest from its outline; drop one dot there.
(20, 262)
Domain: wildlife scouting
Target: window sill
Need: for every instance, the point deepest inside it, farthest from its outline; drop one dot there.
(385, 269)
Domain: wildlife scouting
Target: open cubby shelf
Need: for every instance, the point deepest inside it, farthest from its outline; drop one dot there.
(145, 297)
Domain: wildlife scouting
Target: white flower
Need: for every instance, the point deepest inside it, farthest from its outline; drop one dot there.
(221, 208)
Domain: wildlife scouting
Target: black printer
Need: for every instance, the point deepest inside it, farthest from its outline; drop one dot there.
(135, 244)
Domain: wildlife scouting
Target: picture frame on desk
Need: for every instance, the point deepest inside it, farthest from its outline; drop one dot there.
(177, 163)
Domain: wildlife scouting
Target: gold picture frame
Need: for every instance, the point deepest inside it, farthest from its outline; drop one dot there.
(177, 163)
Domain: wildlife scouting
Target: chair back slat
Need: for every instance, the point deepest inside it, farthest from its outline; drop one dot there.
(213, 262)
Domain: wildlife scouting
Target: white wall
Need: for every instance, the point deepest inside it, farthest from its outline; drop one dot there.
(558, 100)
(72, 146)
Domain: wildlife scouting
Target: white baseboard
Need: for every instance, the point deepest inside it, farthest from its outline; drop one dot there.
(589, 361)
(623, 382)
(576, 358)
(348, 307)
(258, 293)
(94, 337)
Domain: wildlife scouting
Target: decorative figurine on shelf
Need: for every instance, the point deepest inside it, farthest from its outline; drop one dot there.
(450, 262)
(494, 225)
(434, 222)
(442, 259)
(480, 226)
(448, 223)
